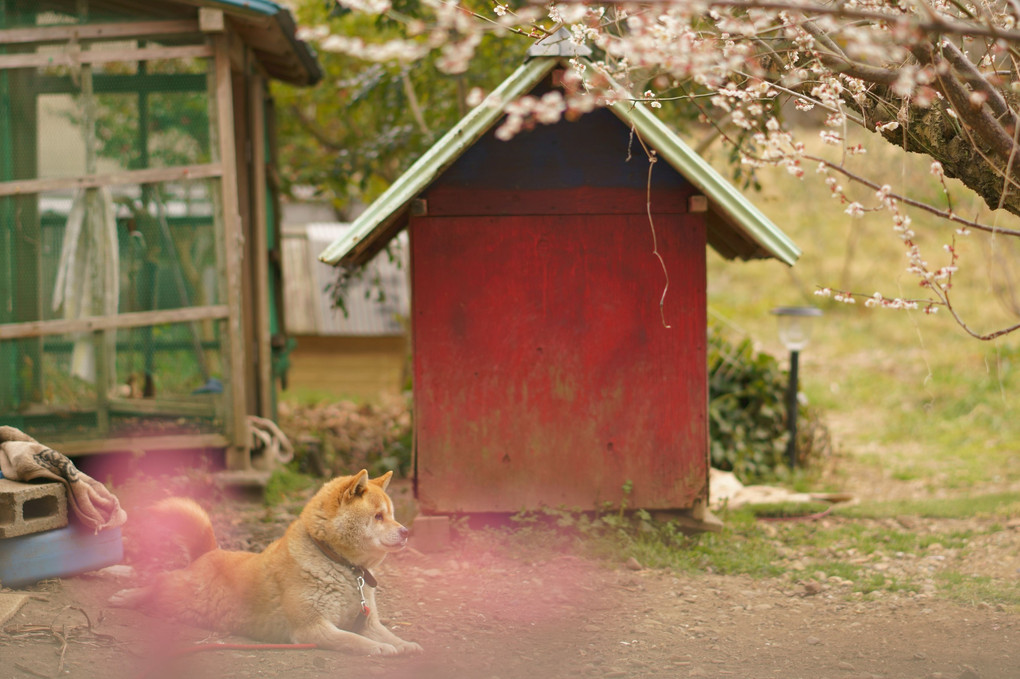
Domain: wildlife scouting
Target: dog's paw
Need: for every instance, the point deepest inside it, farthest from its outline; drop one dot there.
(409, 647)
(125, 598)
(383, 649)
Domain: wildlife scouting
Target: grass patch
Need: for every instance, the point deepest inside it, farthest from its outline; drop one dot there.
(783, 510)
(287, 484)
(994, 505)
(979, 589)
(866, 556)
(741, 548)
(852, 540)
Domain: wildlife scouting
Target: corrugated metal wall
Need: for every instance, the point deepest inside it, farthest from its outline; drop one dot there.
(377, 300)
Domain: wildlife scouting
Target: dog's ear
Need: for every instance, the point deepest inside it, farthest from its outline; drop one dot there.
(384, 480)
(358, 485)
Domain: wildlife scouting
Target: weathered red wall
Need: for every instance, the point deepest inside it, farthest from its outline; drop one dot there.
(543, 372)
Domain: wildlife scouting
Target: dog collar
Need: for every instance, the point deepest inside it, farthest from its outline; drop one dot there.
(363, 574)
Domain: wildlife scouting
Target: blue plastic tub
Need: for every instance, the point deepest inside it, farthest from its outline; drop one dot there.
(58, 553)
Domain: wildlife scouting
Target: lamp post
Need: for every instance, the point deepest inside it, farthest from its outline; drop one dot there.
(795, 324)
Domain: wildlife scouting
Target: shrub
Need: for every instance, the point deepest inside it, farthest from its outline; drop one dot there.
(747, 412)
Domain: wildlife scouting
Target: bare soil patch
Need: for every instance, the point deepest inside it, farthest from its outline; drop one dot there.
(481, 611)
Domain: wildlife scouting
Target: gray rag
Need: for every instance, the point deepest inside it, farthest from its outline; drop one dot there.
(22, 458)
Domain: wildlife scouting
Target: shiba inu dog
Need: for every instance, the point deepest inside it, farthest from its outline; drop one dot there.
(313, 585)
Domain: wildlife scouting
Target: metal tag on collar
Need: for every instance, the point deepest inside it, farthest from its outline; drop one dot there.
(361, 591)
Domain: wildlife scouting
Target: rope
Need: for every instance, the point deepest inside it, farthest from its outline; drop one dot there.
(273, 440)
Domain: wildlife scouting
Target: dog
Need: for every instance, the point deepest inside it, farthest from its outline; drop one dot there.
(314, 585)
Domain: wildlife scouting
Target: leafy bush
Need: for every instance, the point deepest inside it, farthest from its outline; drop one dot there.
(747, 412)
(335, 438)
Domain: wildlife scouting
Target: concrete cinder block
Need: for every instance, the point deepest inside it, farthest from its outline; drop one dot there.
(31, 507)
(430, 533)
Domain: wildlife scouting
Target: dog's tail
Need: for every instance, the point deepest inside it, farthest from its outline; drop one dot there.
(187, 522)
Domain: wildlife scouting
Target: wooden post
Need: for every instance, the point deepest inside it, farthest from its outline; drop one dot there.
(231, 250)
(261, 236)
(94, 214)
(8, 351)
(20, 236)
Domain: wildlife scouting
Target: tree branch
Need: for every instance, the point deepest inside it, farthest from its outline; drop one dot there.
(977, 117)
(978, 83)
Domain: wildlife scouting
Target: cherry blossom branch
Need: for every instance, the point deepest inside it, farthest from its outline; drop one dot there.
(929, 306)
(934, 24)
(948, 215)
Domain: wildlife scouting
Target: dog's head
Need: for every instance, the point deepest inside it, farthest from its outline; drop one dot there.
(354, 515)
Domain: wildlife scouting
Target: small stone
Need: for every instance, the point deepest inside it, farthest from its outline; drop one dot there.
(846, 667)
(634, 565)
(811, 587)
(813, 641)
(969, 673)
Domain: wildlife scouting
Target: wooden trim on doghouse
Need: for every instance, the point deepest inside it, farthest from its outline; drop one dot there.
(133, 319)
(77, 58)
(449, 201)
(80, 33)
(91, 181)
(233, 235)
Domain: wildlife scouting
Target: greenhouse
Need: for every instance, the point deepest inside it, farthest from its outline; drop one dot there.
(140, 297)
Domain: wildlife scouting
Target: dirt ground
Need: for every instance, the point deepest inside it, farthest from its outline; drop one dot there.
(481, 612)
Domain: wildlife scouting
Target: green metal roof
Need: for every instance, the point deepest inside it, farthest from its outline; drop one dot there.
(736, 228)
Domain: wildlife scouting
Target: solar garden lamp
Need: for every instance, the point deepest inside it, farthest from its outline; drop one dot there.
(795, 323)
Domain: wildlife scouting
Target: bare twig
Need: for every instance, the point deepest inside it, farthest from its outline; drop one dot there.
(29, 670)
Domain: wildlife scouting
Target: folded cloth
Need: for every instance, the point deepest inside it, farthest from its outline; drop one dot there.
(22, 458)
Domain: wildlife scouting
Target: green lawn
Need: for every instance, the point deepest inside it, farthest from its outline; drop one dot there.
(903, 390)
